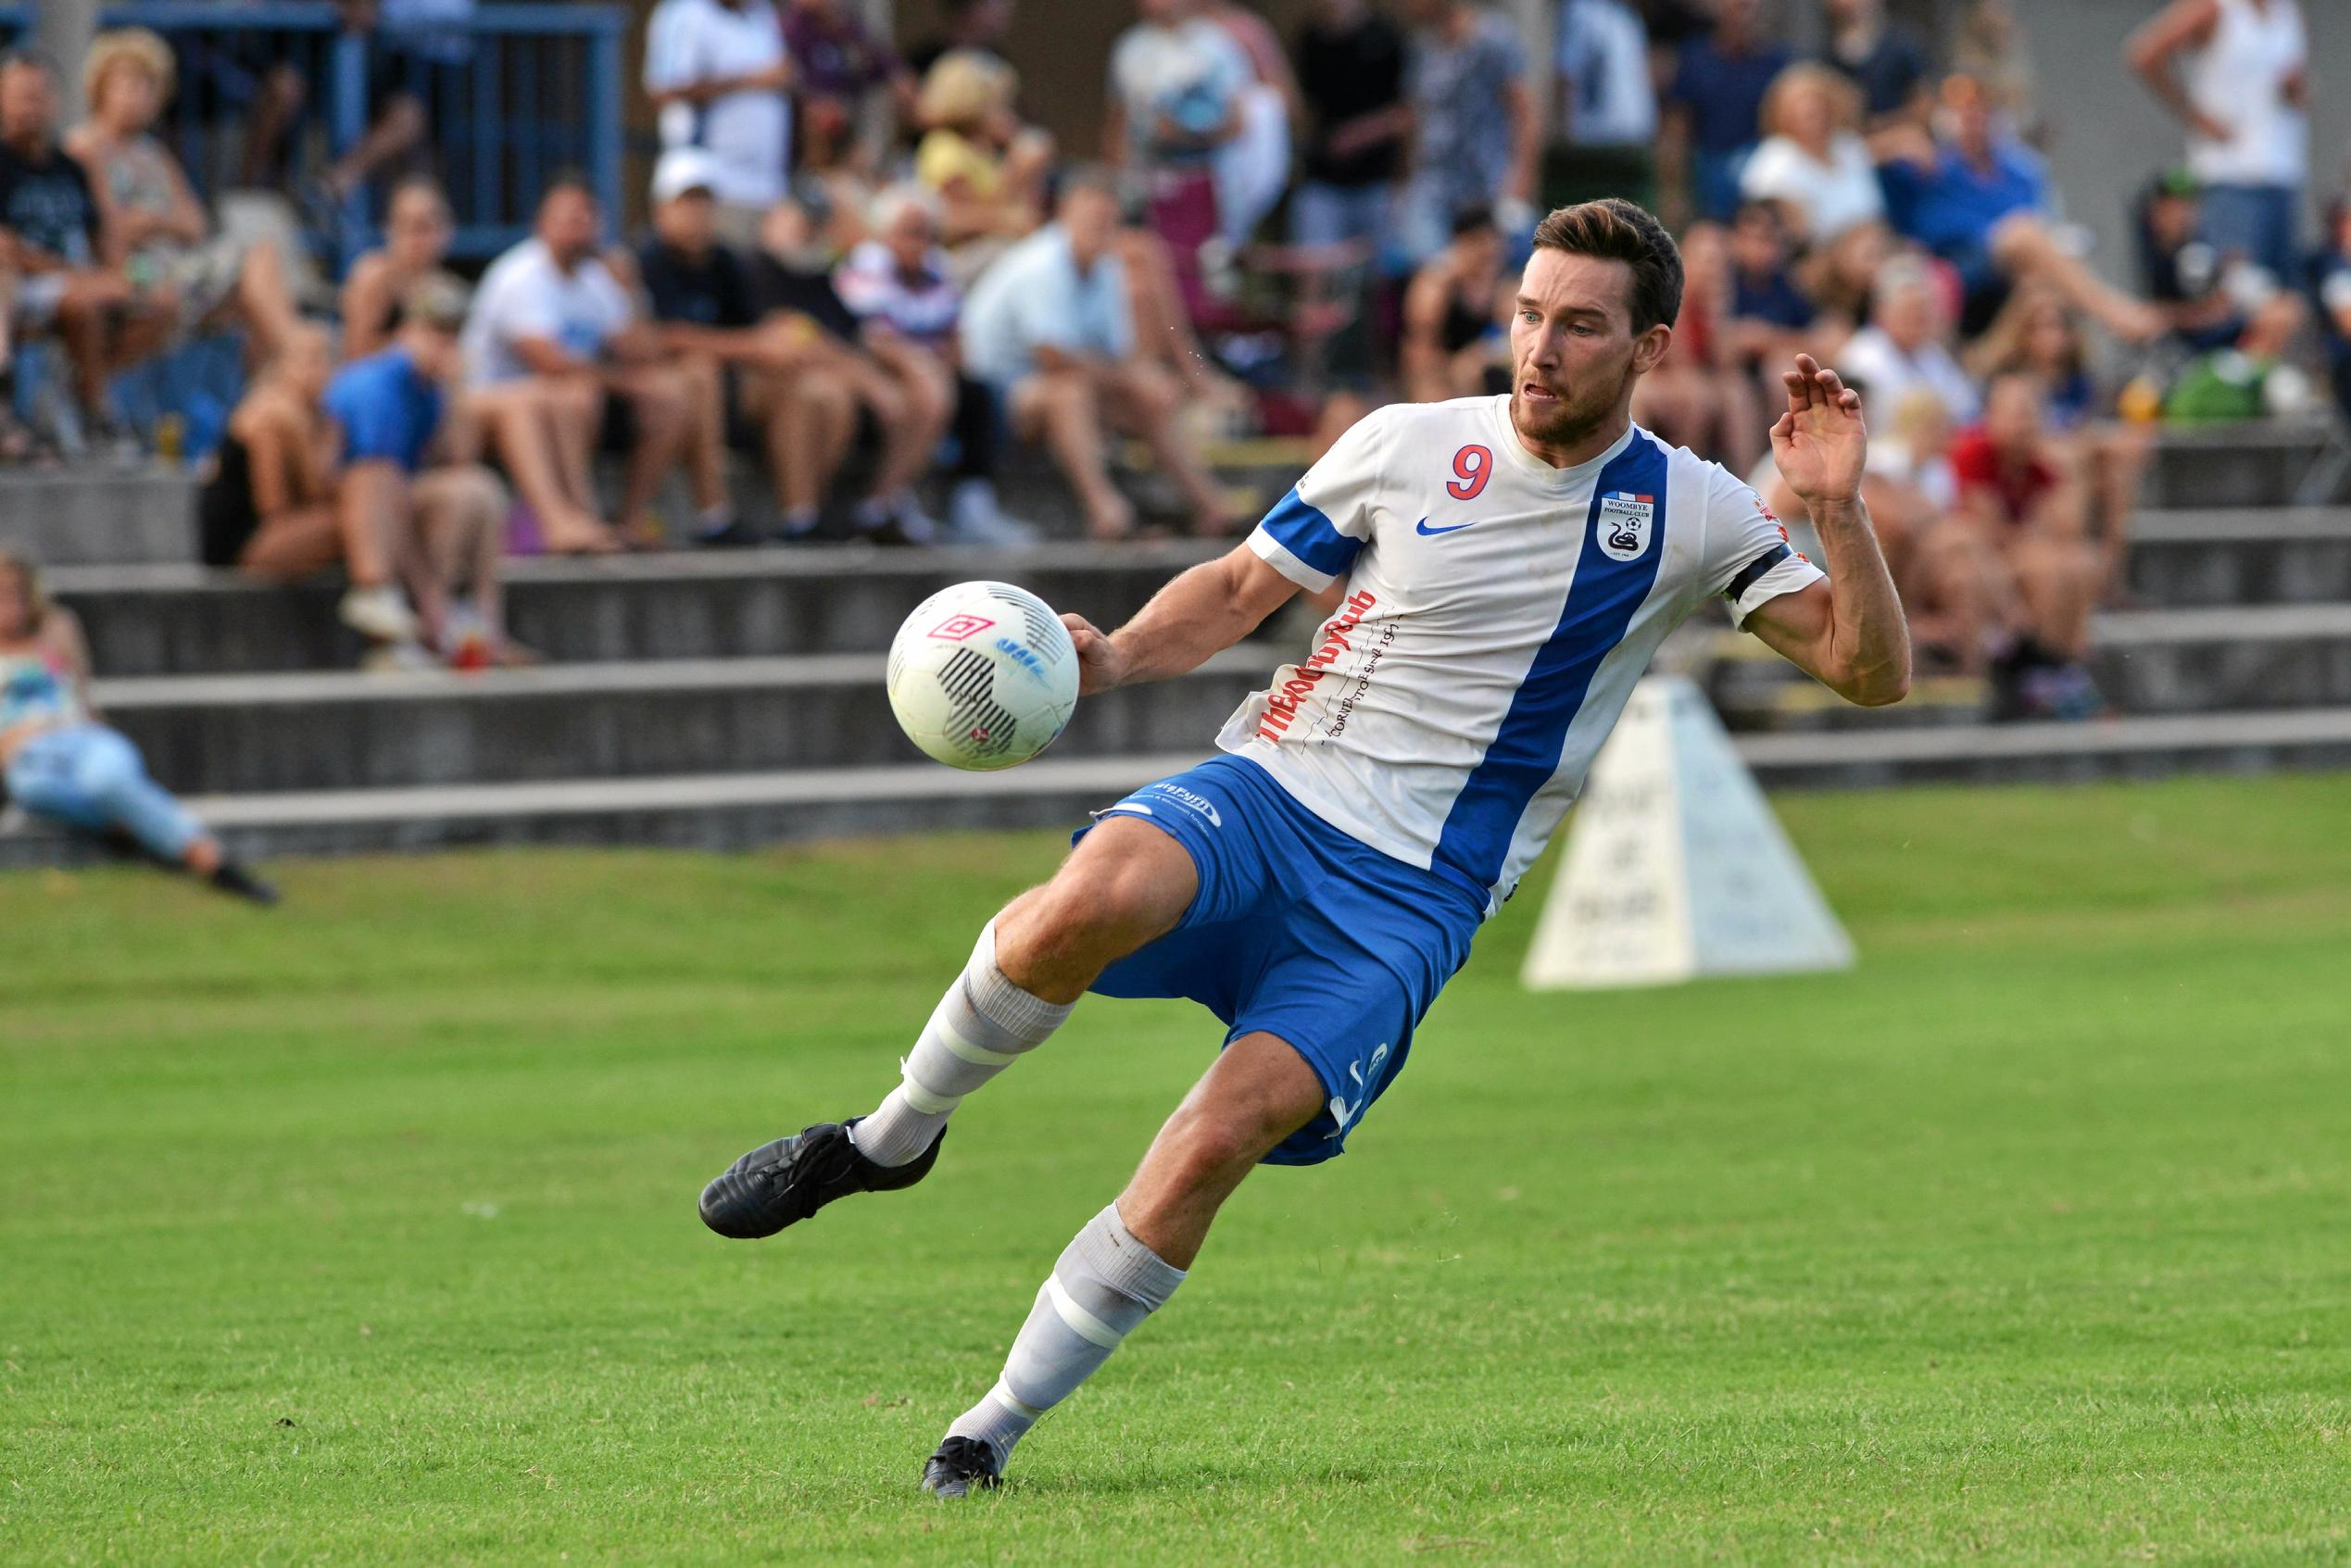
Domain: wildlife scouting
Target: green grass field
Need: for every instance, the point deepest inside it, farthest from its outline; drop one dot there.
(364, 1232)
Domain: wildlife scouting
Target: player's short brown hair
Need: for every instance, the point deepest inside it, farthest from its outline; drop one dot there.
(1616, 230)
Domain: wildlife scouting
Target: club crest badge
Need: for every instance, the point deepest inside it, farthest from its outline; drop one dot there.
(1625, 523)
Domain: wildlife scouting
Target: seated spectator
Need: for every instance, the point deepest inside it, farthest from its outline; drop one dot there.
(2029, 510)
(1051, 329)
(1771, 318)
(417, 231)
(2037, 336)
(1904, 347)
(1713, 108)
(717, 72)
(1700, 395)
(269, 508)
(2204, 295)
(1980, 200)
(51, 244)
(1253, 168)
(1349, 61)
(1842, 277)
(63, 764)
(1177, 81)
(1886, 60)
(1163, 333)
(792, 280)
(899, 285)
(2330, 277)
(1456, 342)
(1813, 163)
(1475, 137)
(987, 169)
(411, 487)
(186, 276)
(840, 61)
(554, 335)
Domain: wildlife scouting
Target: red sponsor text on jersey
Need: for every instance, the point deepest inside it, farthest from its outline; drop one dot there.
(1281, 707)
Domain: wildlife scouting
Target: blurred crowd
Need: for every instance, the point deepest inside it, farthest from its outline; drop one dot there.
(871, 277)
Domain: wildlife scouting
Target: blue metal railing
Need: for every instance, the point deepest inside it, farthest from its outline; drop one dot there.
(521, 92)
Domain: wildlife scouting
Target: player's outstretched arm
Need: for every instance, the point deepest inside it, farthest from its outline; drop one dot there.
(1848, 634)
(1204, 612)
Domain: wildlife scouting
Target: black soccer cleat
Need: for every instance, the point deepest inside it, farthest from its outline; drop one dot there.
(783, 1183)
(961, 1466)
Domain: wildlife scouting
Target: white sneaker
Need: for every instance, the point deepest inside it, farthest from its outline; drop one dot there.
(977, 519)
(398, 659)
(379, 614)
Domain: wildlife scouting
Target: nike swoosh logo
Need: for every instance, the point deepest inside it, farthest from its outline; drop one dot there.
(1422, 528)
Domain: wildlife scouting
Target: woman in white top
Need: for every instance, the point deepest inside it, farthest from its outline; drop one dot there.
(1812, 162)
(2243, 100)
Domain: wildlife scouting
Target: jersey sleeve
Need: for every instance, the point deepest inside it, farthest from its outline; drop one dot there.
(1313, 534)
(1749, 561)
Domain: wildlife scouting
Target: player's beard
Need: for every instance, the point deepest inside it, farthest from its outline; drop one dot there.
(1569, 417)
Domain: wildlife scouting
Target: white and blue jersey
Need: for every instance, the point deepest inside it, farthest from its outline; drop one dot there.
(1497, 614)
(1387, 791)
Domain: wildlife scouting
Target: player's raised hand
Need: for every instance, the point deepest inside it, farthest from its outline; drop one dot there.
(1820, 442)
(1098, 663)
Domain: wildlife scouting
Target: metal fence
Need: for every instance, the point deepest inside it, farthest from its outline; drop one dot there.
(511, 95)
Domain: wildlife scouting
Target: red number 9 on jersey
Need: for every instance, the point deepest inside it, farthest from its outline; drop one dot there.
(1474, 465)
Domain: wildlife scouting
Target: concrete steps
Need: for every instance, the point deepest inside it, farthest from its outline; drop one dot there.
(731, 604)
(2244, 556)
(736, 810)
(341, 731)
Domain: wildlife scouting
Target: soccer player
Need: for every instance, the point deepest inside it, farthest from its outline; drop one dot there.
(1496, 572)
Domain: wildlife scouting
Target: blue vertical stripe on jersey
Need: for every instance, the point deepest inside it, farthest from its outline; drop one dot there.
(1305, 532)
(1601, 598)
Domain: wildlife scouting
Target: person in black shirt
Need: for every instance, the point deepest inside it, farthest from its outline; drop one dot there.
(49, 237)
(978, 25)
(1351, 72)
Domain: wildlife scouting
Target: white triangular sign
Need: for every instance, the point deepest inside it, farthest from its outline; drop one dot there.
(1675, 866)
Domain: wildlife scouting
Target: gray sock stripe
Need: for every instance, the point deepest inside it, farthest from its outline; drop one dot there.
(1028, 1017)
(976, 1028)
(1099, 1299)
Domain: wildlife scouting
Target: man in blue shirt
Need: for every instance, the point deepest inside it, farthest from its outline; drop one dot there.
(409, 480)
(1715, 107)
(1980, 200)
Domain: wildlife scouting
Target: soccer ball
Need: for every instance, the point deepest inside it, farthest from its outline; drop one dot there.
(982, 675)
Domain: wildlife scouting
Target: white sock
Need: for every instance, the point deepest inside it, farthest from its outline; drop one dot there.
(980, 1028)
(1103, 1287)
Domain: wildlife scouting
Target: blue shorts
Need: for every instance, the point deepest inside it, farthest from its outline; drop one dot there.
(1300, 930)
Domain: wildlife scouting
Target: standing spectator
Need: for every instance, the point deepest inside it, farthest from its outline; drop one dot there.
(1177, 81)
(1253, 168)
(979, 26)
(50, 238)
(1475, 129)
(415, 48)
(840, 61)
(1350, 73)
(717, 72)
(988, 169)
(1049, 330)
(1903, 348)
(409, 482)
(186, 276)
(1980, 200)
(1813, 164)
(1990, 46)
(62, 762)
(1454, 343)
(417, 231)
(2242, 102)
(899, 286)
(1714, 107)
(550, 311)
(1606, 104)
(792, 279)
(1886, 60)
